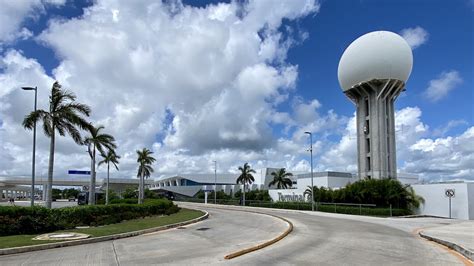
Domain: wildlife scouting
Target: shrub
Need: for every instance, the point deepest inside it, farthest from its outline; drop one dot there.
(372, 211)
(25, 220)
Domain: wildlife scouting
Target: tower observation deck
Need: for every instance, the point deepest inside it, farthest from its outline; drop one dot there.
(372, 73)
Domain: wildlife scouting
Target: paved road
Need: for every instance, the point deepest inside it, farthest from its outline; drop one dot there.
(202, 243)
(316, 239)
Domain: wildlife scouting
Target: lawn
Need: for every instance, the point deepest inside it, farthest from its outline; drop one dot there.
(126, 226)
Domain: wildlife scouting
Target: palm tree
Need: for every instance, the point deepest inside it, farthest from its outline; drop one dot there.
(109, 158)
(245, 177)
(414, 200)
(97, 141)
(64, 115)
(309, 192)
(145, 160)
(280, 179)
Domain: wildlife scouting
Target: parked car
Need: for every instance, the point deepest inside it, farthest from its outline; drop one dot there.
(71, 199)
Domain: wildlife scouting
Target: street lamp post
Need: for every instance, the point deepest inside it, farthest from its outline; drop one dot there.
(312, 185)
(215, 182)
(34, 149)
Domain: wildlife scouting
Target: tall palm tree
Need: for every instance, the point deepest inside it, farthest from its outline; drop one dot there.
(280, 179)
(101, 142)
(309, 192)
(414, 200)
(109, 158)
(64, 116)
(145, 160)
(245, 177)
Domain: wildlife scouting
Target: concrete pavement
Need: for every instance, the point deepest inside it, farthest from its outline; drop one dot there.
(206, 242)
(459, 236)
(317, 238)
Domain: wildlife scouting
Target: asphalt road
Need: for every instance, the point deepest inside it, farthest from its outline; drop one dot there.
(316, 239)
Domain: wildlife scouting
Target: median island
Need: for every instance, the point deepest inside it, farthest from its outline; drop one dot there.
(19, 225)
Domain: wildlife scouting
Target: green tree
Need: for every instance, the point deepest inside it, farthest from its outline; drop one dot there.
(70, 192)
(64, 116)
(245, 177)
(130, 193)
(145, 160)
(309, 192)
(97, 141)
(414, 200)
(57, 193)
(281, 179)
(109, 158)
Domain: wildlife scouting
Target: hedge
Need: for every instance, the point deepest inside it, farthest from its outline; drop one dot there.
(372, 211)
(26, 220)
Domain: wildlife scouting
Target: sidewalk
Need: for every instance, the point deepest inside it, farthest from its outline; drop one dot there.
(459, 237)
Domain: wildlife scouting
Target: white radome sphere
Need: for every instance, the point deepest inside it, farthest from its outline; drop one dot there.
(375, 55)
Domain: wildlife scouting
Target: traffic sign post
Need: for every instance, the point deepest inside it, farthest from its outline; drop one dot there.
(450, 193)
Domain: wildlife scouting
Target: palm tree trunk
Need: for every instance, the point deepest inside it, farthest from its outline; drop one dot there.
(92, 183)
(107, 191)
(140, 184)
(244, 195)
(49, 184)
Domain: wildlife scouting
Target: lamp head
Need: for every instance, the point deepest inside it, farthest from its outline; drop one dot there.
(307, 132)
(28, 88)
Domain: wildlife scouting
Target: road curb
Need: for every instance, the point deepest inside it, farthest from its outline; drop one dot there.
(15, 250)
(465, 252)
(265, 244)
(256, 247)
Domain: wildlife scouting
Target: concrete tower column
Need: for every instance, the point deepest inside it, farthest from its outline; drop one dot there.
(376, 148)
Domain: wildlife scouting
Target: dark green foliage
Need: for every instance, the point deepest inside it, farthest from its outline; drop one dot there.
(124, 201)
(372, 211)
(57, 193)
(257, 194)
(149, 194)
(381, 192)
(24, 220)
(130, 193)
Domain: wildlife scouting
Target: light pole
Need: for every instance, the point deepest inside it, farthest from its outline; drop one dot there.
(34, 149)
(215, 182)
(312, 185)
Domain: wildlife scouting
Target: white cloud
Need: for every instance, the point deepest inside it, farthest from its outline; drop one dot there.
(443, 158)
(193, 83)
(415, 36)
(440, 87)
(13, 14)
(443, 130)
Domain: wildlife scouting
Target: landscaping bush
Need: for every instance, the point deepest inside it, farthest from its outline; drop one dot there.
(372, 211)
(24, 220)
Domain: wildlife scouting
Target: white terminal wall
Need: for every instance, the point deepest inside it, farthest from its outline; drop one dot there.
(437, 204)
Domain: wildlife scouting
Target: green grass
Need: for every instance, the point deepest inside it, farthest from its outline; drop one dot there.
(111, 229)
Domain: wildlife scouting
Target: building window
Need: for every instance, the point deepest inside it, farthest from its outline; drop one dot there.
(368, 164)
(367, 145)
(367, 127)
(366, 106)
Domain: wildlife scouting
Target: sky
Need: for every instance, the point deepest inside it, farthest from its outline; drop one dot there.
(234, 81)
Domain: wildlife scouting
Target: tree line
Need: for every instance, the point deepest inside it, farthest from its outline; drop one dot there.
(66, 116)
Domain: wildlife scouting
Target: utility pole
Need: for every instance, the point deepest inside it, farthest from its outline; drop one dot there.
(312, 184)
(34, 148)
(215, 182)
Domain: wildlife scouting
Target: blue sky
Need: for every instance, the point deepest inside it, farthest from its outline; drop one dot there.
(305, 47)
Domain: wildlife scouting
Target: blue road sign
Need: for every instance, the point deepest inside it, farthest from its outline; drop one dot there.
(78, 172)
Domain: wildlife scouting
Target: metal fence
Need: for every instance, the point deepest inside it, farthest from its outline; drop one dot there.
(333, 207)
